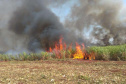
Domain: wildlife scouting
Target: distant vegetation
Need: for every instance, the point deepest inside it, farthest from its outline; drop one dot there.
(115, 53)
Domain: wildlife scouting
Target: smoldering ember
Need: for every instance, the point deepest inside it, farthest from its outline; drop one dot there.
(32, 26)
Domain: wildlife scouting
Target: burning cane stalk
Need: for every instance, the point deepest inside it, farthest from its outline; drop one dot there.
(79, 54)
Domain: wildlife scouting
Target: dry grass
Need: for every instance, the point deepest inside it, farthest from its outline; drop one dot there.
(63, 72)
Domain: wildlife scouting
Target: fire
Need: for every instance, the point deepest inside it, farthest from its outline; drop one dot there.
(79, 54)
(60, 42)
(82, 54)
(80, 51)
(50, 49)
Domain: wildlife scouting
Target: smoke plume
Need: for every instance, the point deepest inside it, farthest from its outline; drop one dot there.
(30, 26)
(103, 17)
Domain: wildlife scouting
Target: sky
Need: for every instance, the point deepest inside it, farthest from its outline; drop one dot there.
(63, 11)
(124, 1)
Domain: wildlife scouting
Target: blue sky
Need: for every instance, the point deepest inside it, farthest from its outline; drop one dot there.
(63, 10)
(124, 1)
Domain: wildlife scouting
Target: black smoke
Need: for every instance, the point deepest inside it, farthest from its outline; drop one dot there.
(35, 22)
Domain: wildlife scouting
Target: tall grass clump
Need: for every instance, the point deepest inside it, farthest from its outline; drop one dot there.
(4, 57)
(63, 54)
(109, 52)
(34, 56)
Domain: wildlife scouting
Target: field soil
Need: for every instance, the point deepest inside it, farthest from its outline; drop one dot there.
(62, 72)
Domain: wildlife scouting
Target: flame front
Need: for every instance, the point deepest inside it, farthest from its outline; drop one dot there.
(79, 54)
(61, 45)
(80, 51)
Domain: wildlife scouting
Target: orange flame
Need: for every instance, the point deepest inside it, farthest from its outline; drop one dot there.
(79, 53)
(61, 45)
(50, 49)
